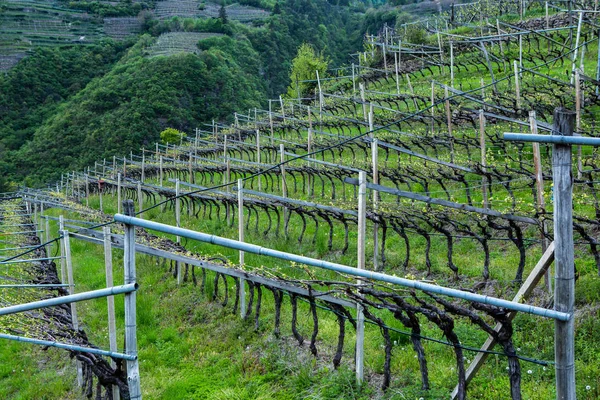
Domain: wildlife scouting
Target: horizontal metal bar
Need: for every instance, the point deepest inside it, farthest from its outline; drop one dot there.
(555, 139)
(73, 298)
(344, 269)
(21, 232)
(68, 347)
(96, 237)
(19, 248)
(44, 286)
(443, 203)
(29, 260)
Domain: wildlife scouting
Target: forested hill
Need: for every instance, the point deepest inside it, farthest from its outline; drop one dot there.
(65, 106)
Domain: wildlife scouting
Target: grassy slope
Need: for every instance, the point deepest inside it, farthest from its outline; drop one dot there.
(193, 348)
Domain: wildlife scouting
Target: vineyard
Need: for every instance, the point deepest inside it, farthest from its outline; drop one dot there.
(378, 233)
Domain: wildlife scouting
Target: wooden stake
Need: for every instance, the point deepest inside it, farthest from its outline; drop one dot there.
(397, 73)
(353, 81)
(564, 289)
(258, 157)
(361, 86)
(539, 185)
(375, 168)
(118, 193)
(517, 86)
(140, 198)
(240, 184)
(451, 64)
(449, 122)
(412, 91)
(87, 190)
(143, 165)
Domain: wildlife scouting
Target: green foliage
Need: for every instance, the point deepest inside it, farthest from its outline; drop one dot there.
(171, 135)
(304, 68)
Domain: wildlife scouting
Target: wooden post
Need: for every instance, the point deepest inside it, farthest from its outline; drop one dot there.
(484, 188)
(119, 193)
(241, 239)
(283, 184)
(520, 50)
(258, 158)
(500, 40)
(271, 122)
(564, 289)
(517, 86)
(178, 223)
(74, 319)
(449, 122)
(354, 80)
(190, 169)
(396, 69)
(100, 197)
(114, 168)
(47, 229)
(309, 150)
(63, 264)
(282, 108)
(578, 119)
(385, 59)
(112, 326)
(375, 167)
(547, 17)
(140, 195)
(160, 167)
(143, 165)
(576, 48)
(361, 86)
(451, 64)
(87, 190)
(360, 318)
(133, 371)
(539, 185)
(227, 180)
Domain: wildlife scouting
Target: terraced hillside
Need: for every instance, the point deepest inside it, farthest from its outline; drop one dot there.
(396, 164)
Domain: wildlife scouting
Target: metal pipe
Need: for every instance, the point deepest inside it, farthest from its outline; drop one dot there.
(30, 260)
(344, 269)
(66, 346)
(44, 286)
(555, 139)
(73, 298)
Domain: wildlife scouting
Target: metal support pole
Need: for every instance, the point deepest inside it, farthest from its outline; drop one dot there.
(240, 184)
(360, 318)
(133, 372)
(74, 319)
(178, 222)
(119, 192)
(112, 326)
(564, 289)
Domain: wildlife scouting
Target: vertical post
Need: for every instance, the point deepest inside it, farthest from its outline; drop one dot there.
(160, 170)
(360, 318)
(100, 197)
(576, 48)
(397, 72)
(133, 370)
(190, 169)
(258, 158)
(412, 91)
(143, 165)
(63, 265)
(547, 17)
(283, 182)
(578, 118)
(520, 50)
(375, 167)
(227, 180)
(240, 184)
(282, 108)
(449, 122)
(451, 64)
(354, 80)
(499, 39)
(564, 293)
(271, 122)
(87, 190)
(178, 223)
(112, 326)
(361, 86)
(47, 229)
(517, 86)
(74, 319)
(119, 193)
(309, 150)
(140, 195)
(484, 188)
(384, 59)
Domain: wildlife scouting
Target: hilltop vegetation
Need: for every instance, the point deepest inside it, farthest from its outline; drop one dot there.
(64, 107)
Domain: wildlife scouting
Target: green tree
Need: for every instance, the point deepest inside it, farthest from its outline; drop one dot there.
(303, 75)
(223, 14)
(171, 135)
